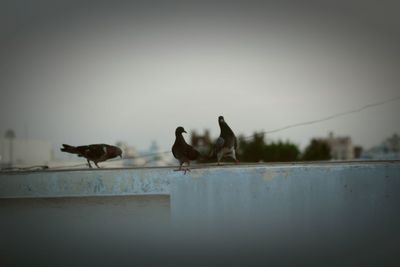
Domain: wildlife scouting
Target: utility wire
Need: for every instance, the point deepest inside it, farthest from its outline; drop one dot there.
(329, 117)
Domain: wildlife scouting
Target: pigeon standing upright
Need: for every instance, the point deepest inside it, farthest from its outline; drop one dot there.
(96, 153)
(182, 151)
(226, 143)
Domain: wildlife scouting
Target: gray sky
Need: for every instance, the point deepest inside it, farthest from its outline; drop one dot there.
(79, 74)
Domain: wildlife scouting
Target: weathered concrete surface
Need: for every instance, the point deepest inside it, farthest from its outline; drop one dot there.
(344, 214)
(138, 181)
(290, 191)
(81, 231)
(336, 214)
(97, 182)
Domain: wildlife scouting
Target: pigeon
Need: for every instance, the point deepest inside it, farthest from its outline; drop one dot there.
(182, 151)
(96, 153)
(226, 143)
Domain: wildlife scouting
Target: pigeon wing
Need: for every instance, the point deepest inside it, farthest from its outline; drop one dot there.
(96, 152)
(191, 153)
(235, 145)
(219, 144)
(230, 141)
(177, 151)
(228, 136)
(82, 150)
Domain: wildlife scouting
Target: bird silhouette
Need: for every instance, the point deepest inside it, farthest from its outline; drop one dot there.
(96, 152)
(226, 144)
(182, 151)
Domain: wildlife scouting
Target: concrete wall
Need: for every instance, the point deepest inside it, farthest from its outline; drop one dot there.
(328, 190)
(81, 231)
(84, 183)
(338, 214)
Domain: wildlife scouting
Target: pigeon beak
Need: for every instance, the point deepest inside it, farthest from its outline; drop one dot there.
(184, 131)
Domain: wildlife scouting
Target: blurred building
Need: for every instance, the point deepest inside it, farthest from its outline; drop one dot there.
(154, 157)
(389, 149)
(131, 157)
(341, 147)
(392, 144)
(25, 152)
(128, 152)
(202, 143)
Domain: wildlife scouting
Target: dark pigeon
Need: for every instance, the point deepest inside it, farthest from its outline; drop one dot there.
(182, 151)
(96, 153)
(226, 143)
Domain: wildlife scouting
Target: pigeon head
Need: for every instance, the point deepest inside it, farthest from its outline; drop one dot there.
(179, 130)
(221, 119)
(114, 151)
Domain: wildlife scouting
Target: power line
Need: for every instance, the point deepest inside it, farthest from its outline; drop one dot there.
(330, 117)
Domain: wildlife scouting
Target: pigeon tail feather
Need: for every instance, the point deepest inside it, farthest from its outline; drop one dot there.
(69, 149)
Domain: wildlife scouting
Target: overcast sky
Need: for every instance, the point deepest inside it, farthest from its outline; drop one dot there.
(80, 74)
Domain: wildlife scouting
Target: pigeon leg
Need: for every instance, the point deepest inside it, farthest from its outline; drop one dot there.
(219, 157)
(188, 169)
(97, 165)
(234, 157)
(90, 166)
(180, 167)
(183, 169)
